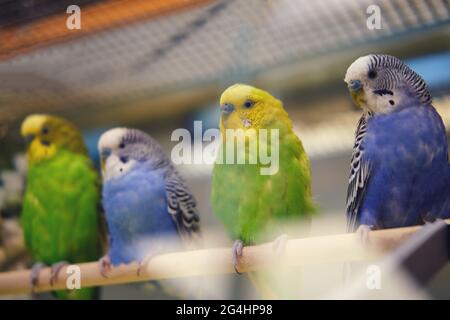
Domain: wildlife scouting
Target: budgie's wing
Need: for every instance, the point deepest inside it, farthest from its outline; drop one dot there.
(359, 175)
(183, 208)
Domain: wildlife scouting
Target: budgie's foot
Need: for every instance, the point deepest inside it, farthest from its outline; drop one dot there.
(429, 219)
(142, 264)
(236, 254)
(55, 269)
(105, 265)
(363, 233)
(34, 275)
(279, 244)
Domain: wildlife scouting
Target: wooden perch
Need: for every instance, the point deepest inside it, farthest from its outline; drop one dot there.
(317, 250)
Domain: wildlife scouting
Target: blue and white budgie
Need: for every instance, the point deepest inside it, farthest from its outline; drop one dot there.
(399, 168)
(146, 202)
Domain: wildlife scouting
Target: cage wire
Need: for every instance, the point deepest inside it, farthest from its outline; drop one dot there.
(216, 42)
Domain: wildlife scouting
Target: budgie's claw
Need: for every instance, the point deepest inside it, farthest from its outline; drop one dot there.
(236, 254)
(34, 275)
(279, 244)
(105, 265)
(142, 264)
(363, 233)
(429, 220)
(55, 269)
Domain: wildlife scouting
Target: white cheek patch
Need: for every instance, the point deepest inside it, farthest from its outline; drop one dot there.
(386, 103)
(115, 168)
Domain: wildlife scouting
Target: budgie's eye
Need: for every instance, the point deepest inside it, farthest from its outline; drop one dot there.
(122, 145)
(372, 74)
(45, 130)
(248, 104)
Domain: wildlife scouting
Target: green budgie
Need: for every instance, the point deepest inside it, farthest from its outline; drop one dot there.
(60, 209)
(251, 202)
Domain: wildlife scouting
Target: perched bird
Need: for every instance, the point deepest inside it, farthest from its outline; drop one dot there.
(146, 202)
(399, 172)
(59, 215)
(250, 203)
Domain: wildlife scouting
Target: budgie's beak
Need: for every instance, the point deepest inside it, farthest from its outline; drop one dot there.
(28, 139)
(106, 152)
(356, 91)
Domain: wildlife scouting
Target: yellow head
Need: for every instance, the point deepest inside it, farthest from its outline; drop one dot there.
(244, 107)
(45, 135)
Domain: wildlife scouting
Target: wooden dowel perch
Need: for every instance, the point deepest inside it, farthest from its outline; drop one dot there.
(317, 250)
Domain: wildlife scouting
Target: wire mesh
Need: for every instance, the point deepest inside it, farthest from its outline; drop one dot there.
(206, 44)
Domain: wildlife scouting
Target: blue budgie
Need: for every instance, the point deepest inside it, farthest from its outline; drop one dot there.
(399, 173)
(147, 204)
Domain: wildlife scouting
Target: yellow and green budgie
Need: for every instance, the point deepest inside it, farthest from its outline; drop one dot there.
(60, 208)
(251, 204)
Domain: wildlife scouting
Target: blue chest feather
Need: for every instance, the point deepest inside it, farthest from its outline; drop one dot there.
(136, 211)
(407, 151)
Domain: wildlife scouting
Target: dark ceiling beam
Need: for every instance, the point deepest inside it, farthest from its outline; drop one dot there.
(94, 18)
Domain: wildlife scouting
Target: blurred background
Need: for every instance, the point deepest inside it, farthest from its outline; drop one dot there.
(160, 65)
